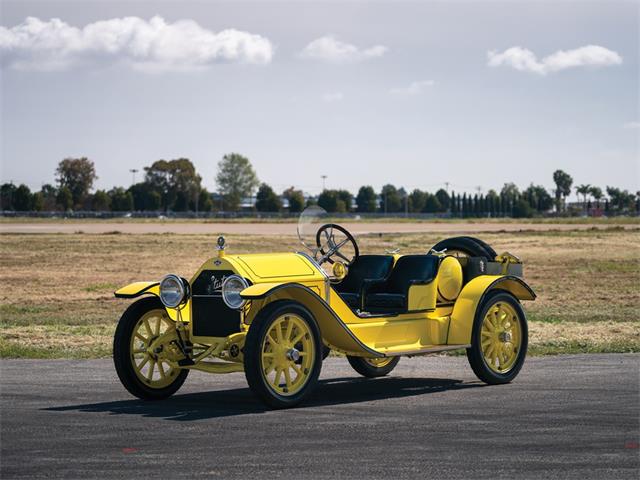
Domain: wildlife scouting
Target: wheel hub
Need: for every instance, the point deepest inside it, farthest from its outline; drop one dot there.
(505, 337)
(293, 355)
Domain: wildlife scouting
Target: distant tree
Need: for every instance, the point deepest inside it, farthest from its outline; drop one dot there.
(205, 202)
(522, 209)
(417, 200)
(267, 200)
(101, 201)
(510, 192)
(121, 200)
(621, 200)
(390, 201)
(331, 201)
(596, 193)
(366, 199)
(584, 190)
(7, 194)
(49, 197)
(492, 203)
(22, 199)
(235, 179)
(345, 197)
(563, 183)
(538, 197)
(443, 199)
(181, 202)
(169, 177)
(431, 204)
(295, 198)
(37, 202)
(454, 204)
(78, 175)
(145, 197)
(64, 198)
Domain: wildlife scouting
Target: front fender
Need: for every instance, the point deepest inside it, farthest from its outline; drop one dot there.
(333, 330)
(136, 289)
(472, 296)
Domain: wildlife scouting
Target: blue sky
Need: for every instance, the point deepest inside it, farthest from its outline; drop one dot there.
(411, 93)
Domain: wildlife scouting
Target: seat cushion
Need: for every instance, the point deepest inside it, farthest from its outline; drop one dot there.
(351, 299)
(365, 267)
(393, 301)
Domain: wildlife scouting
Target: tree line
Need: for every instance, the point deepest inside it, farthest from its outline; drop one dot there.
(175, 186)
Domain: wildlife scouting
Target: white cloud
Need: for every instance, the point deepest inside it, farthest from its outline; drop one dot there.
(631, 125)
(527, 61)
(332, 97)
(330, 49)
(152, 45)
(414, 88)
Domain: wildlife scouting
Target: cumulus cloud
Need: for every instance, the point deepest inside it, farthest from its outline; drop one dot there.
(330, 49)
(527, 61)
(631, 125)
(332, 97)
(414, 88)
(150, 45)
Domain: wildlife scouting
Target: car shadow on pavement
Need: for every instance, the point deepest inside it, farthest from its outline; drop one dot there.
(241, 401)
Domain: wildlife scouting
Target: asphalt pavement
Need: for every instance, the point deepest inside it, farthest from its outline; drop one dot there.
(563, 417)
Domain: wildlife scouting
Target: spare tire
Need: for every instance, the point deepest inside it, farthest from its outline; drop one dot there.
(470, 246)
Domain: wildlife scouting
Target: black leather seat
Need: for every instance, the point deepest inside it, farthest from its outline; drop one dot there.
(391, 294)
(366, 267)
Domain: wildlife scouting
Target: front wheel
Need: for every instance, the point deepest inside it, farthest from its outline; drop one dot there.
(283, 354)
(373, 367)
(499, 339)
(144, 351)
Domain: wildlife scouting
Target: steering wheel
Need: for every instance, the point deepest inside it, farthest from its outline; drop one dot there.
(331, 246)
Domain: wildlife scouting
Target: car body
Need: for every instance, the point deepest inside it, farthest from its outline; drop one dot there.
(275, 316)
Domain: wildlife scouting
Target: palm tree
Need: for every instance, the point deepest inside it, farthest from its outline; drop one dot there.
(597, 195)
(584, 190)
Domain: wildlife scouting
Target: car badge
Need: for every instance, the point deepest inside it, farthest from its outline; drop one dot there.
(217, 263)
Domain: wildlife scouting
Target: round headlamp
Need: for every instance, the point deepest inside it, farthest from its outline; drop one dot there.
(231, 288)
(173, 291)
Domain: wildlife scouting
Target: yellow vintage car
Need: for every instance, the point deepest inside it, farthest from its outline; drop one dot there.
(276, 316)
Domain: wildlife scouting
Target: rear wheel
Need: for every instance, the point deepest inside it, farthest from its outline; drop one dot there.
(283, 354)
(143, 330)
(499, 339)
(373, 367)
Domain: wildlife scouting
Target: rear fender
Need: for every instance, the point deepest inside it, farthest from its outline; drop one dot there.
(471, 298)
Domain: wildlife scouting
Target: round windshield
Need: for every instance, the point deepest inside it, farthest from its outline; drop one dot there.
(311, 219)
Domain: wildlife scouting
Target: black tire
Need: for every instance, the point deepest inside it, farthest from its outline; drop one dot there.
(473, 247)
(122, 353)
(365, 369)
(474, 353)
(253, 349)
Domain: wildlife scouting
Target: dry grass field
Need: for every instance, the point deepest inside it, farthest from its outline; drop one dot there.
(56, 298)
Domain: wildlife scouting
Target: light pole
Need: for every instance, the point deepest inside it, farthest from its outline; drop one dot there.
(133, 175)
(324, 178)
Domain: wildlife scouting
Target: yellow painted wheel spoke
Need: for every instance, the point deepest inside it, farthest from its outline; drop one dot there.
(287, 377)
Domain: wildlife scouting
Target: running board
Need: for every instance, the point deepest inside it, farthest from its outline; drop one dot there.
(425, 351)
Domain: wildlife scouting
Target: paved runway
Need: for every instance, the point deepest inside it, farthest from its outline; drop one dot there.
(564, 417)
(70, 226)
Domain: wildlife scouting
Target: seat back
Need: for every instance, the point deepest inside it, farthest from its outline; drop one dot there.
(411, 267)
(365, 266)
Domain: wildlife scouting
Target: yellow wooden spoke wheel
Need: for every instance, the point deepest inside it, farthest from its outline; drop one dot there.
(151, 349)
(287, 354)
(499, 339)
(283, 354)
(145, 351)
